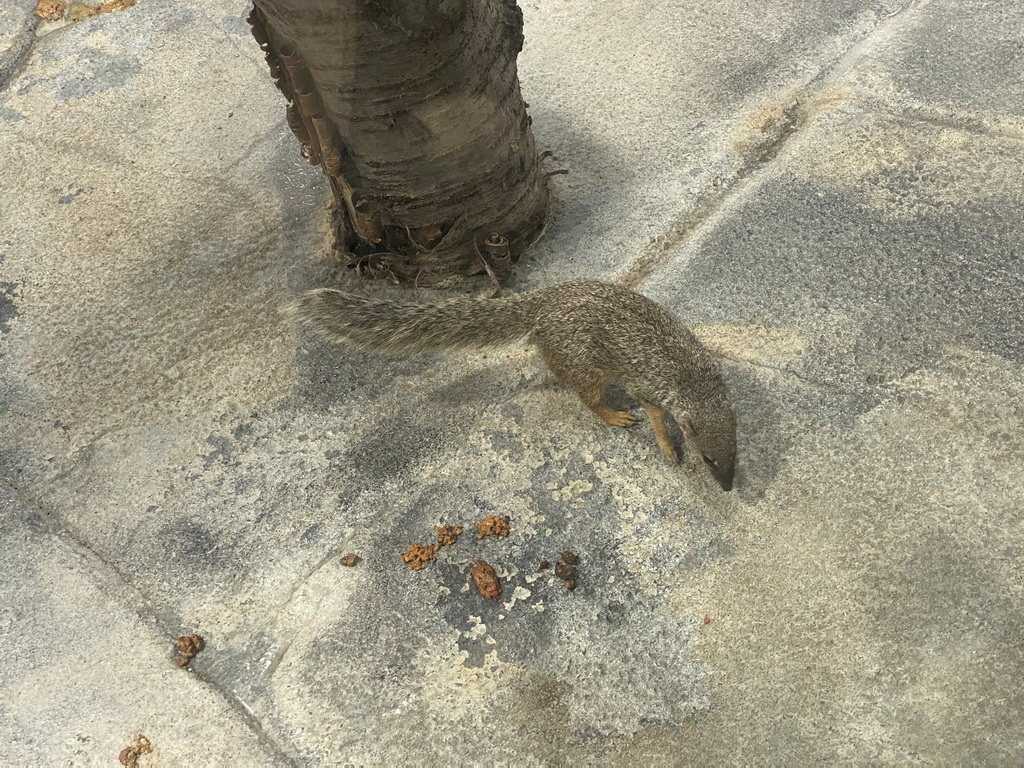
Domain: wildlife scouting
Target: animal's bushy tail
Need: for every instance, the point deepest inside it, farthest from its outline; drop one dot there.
(406, 328)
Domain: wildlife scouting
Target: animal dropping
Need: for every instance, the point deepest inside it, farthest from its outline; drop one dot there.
(486, 580)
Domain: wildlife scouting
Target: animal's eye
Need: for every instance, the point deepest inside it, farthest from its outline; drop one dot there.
(708, 460)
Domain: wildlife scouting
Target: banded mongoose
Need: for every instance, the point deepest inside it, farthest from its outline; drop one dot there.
(588, 332)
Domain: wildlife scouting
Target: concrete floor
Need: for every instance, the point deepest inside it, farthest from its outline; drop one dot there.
(830, 193)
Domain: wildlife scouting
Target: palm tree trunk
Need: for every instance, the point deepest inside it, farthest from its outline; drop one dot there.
(413, 110)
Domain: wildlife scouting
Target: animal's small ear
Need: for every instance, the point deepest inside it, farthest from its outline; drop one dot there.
(686, 424)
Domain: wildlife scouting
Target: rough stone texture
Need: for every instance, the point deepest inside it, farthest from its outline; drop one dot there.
(18, 25)
(654, 111)
(932, 61)
(88, 666)
(829, 193)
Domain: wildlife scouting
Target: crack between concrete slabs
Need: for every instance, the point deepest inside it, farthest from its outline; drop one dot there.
(763, 147)
(15, 56)
(334, 552)
(760, 154)
(53, 526)
(929, 115)
(813, 383)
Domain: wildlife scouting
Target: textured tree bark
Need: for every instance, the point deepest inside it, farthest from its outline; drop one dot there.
(413, 110)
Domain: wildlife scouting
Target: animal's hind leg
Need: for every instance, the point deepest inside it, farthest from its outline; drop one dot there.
(590, 387)
(591, 397)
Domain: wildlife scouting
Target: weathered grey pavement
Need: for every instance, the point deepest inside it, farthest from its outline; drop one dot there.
(830, 193)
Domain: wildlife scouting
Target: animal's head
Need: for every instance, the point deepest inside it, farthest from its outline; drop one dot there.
(710, 428)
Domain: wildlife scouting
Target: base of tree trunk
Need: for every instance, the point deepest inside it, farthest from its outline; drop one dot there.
(412, 109)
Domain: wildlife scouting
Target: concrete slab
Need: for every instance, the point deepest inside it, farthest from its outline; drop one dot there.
(932, 62)
(90, 665)
(652, 112)
(855, 600)
(168, 180)
(871, 245)
(876, 264)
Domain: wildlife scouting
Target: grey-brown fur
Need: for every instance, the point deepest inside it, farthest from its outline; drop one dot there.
(589, 333)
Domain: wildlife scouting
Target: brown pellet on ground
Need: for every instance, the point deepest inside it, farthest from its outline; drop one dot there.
(350, 560)
(492, 525)
(486, 580)
(50, 10)
(447, 535)
(187, 647)
(130, 755)
(564, 571)
(419, 556)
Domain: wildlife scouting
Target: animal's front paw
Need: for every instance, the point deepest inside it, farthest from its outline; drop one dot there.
(669, 453)
(620, 418)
